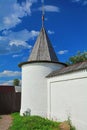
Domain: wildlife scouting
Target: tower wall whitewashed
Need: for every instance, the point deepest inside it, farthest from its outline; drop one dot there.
(34, 87)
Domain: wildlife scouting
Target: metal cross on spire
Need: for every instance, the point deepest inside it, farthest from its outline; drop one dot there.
(42, 12)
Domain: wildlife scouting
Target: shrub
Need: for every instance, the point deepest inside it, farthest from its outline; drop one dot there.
(70, 123)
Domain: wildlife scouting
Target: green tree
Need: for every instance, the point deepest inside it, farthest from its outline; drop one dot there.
(16, 82)
(79, 57)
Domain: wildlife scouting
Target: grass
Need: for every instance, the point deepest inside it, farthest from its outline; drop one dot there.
(32, 123)
(35, 123)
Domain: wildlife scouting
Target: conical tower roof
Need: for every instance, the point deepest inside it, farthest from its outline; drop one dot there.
(43, 50)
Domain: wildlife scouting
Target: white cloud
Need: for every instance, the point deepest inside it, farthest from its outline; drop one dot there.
(19, 43)
(45, 19)
(33, 33)
(23, 35)
(63, 52)
(11, 21)
(9, 82)
(8, 73)
(2, 38)
(50, 32)
(14, 56)
(13, 42)
(85, 2)
(50, 8)
(82, 2)
(76, 0)
(11, 12)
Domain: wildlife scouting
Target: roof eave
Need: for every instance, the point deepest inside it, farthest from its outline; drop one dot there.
(50, 76)
(68, 69)
(29, 62)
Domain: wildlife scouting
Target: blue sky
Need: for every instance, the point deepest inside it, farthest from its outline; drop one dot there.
(20, 23)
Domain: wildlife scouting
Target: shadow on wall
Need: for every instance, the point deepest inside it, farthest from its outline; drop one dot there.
(10, 100)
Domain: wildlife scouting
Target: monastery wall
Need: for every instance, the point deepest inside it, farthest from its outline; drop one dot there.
(67, 96)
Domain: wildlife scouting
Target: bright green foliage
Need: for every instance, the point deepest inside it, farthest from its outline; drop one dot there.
(79, 57)
(32, 123)
(70, 123)
(16, 82)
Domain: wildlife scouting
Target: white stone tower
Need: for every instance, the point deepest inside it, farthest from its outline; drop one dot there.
(41, 62)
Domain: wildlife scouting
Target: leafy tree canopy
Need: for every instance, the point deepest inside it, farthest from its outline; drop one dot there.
(16, 82)
(79, 57)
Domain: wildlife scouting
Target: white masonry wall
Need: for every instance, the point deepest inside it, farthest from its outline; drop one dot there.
(67, 96)
(34, 87)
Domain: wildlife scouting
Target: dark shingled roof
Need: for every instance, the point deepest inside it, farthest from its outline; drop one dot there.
(43, 50)
(71, 68)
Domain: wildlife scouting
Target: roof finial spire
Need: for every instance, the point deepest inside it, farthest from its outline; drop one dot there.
(42, 13)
